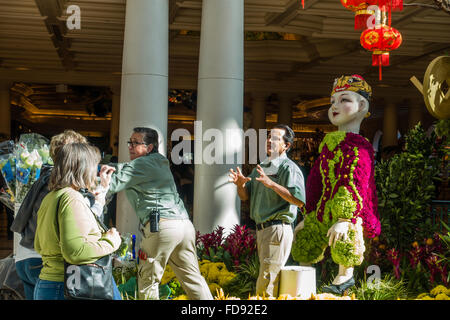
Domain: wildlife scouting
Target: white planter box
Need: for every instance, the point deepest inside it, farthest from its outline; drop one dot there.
(298, 281)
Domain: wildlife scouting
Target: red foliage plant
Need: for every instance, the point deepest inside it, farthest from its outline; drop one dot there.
(241, 244)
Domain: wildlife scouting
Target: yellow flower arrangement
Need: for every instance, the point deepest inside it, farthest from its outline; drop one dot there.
(168, 275)
(224, 278)
(215, 274)
(439, 289)
(437, 293)
(442, 296)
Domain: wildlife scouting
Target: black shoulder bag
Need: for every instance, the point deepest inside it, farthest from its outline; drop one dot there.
(92, 281)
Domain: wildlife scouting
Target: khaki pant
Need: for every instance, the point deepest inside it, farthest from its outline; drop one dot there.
(274, 246)
(173, 244)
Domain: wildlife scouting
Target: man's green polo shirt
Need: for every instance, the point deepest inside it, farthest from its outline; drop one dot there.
(149, 184)
(266, 204)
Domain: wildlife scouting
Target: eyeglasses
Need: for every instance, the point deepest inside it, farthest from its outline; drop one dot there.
(134, 143)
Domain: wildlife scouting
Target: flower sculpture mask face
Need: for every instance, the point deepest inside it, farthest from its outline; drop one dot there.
(347, 108)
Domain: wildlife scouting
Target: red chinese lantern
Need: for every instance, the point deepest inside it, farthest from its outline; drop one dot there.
(381, 40)
(363, 12)
(396, 5)
(390, 5)
(360, 8)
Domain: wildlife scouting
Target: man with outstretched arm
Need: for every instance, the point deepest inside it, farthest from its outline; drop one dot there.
(275, 189)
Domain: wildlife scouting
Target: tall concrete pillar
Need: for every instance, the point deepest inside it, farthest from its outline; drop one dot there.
(5, 110)
(259, 110)
(115, 121)
(219, 107)
(285, 108)
(390, 125)
(259, 120)
(144, 87)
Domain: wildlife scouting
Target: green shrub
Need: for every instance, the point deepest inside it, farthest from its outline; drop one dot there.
(244, 284)
(387, 288)
(405, 186)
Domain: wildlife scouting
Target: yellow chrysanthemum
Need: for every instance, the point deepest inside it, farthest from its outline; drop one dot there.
(420, 296)
(204, 267)
(427, 298)
(212, 271)
(225, 277)
(213, 287)
(439, 289)
(168, 275)
(181, 297)
(203, 262)
(442, 296)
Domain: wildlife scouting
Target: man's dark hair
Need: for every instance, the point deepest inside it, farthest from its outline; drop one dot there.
(289, 134)
(150, 136)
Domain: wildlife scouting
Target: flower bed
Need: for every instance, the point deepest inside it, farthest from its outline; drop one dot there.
(438, 293)
(226, 262)
(216, 275)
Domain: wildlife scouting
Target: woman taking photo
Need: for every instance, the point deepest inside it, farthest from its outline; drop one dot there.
(77, 238)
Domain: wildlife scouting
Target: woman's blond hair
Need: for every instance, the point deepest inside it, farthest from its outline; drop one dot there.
(68, 136)
(75, 166)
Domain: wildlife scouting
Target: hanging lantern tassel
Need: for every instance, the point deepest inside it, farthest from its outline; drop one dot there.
(303, 4)
(380, 59)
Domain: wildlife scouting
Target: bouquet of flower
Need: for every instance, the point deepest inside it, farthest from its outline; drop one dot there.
(125, 251)
(21, 165)
(31, 153)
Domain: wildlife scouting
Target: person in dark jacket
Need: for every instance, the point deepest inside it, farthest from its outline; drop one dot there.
(28, 261)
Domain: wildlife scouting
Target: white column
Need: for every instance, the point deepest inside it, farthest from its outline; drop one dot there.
(220, 106)
(259, 110)
(115, 121)
(390, 125)
(259, 119)
(285, 108)
(144, 88)
(5, 110)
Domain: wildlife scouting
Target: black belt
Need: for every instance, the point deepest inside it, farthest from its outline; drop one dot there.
(269, 223)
